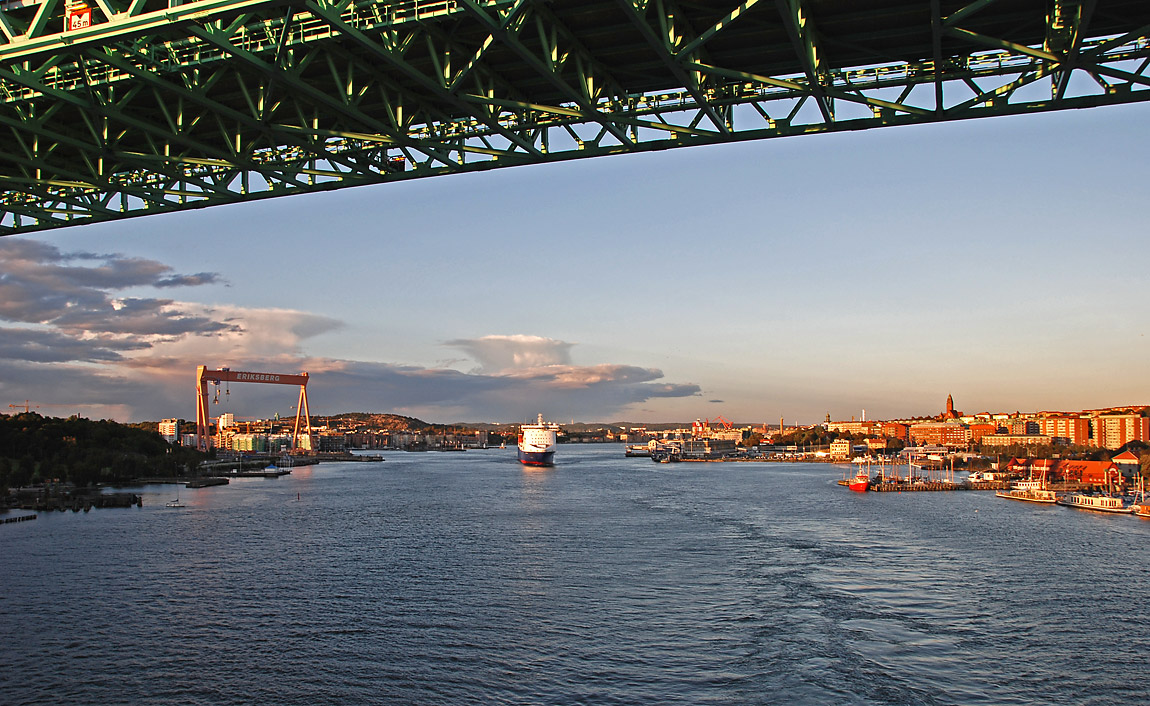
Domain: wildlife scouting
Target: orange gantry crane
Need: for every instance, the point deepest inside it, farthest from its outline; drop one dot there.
(204, 377)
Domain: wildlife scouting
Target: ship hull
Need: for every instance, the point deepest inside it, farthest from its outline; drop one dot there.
(537, 458)
(1095, 504)
(859, 486)
(1026, 497)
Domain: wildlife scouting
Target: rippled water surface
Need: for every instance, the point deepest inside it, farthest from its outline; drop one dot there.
(464, 578)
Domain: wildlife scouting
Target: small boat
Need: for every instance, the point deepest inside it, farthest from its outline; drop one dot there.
(1098, 503)
(1031, 491)
(1142, 510)
(174, 503)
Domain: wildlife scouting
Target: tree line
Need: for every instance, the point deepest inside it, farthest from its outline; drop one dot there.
(36, 449)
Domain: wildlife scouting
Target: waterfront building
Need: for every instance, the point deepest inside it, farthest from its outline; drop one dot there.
(1095, 473)
(1022, 426)
(368, 439)
(841, 448)
(706, 448)
(855, 427)
(330, 441)
(1066, 429)
(1016, 440)
(1112, 431)
(1128, 464)
(949, 434)
(249, 442)
(981, 429)
(894, 430)
(1090, 472)
(170, 430)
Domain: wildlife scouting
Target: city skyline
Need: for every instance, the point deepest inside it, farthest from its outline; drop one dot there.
(996, 260)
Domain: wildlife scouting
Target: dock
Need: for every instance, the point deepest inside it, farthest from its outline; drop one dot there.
(932, 486)
(45, 500)
(325, 456)
(22, 518)
(205, 482)
(269, 472)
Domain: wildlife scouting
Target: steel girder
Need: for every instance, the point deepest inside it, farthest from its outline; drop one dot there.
(152, 108)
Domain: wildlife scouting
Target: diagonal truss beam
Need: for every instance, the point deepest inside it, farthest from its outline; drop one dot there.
(802, 34)
(508, 35)
(673, 60)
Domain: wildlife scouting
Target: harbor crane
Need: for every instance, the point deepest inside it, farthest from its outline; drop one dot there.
(721, 420)
(204, 377)
(28, 406)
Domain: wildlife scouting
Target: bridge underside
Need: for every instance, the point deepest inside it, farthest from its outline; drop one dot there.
(150, 108)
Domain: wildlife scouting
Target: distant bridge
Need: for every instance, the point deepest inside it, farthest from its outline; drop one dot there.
(116, 108)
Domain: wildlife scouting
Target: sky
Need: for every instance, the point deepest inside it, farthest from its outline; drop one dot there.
(1002, 260)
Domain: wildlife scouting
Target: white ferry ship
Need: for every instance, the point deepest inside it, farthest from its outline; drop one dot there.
(1098, 503)
(537, 443)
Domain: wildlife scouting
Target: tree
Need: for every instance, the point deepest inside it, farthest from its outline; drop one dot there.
(82, 451)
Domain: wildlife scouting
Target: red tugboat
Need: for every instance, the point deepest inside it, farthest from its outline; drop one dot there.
(861, 482)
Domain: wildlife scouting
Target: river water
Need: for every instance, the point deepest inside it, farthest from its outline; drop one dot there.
(465, 578)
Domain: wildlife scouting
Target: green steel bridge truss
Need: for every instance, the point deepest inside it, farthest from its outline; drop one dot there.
(143, 106)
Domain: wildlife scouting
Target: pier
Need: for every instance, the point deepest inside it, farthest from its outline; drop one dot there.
(205, 482)
(362, 458)
(22, 518)
(46, 500)
(933, 486)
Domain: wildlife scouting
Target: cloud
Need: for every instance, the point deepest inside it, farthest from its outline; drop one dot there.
(72, 292)
(449, 395)
(161, 386)
(188, 280)
(504, 353)
(46, 346)
(77, 341)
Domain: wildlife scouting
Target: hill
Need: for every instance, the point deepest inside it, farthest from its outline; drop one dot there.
(378, 420)
(35, 449)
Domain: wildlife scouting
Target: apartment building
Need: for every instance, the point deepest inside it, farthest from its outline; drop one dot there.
(950, 434)
(1112, 431)
(1066, 429)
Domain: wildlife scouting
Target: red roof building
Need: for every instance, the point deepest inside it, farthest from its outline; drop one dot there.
(1090, 472)
(1069, 470)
